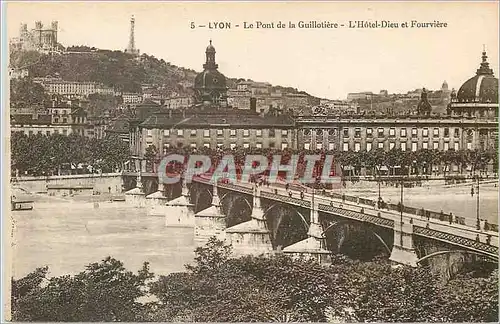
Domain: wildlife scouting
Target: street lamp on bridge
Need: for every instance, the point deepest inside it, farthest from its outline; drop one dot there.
(478, 221)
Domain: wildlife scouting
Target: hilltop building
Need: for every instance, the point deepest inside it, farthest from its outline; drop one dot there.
(41, 38)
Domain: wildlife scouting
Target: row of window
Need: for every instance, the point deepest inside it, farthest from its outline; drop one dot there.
(65, 120)
(219, 132)
(56, 112)
(56, 131)
(231, 146)
(392, 132)
(357, 132)
(403, 146)
(345, 147)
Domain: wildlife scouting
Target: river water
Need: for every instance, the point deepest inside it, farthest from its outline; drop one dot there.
(67, 235)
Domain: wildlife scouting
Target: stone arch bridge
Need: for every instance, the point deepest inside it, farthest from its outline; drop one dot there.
(266, 219)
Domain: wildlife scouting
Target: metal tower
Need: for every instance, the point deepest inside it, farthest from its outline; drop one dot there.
(131, 42)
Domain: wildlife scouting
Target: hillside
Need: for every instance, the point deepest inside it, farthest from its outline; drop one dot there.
(113, 68)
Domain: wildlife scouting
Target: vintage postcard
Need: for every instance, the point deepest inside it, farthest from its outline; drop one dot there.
(250, 161)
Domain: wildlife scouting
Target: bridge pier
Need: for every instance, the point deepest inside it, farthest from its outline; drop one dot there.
(314, 247)
(136, 196)
(179, 212)
(403, 251)
(251, 237)
(210, 222)
(156, 204)
(154, 200)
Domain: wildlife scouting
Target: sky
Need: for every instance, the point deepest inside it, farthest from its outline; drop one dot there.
(326, 63)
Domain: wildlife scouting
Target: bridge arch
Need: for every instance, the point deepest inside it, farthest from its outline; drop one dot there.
(342, 222)
(494, 259)
(304, 221)
(238, 197)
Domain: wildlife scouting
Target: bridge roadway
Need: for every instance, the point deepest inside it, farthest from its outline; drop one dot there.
(456, 234)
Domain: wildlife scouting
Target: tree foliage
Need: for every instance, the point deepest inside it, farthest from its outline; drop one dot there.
(46, 155)
(218, 288)
(112, 68)
(25, 93)
(105, 291)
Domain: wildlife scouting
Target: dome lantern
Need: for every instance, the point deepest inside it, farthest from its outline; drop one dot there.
(483, 87)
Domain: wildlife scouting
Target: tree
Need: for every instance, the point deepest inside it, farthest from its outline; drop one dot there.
(105, 291)
(44, 155)
(218, 288)
(380, 293)
(151, 156)
(467, 299)
(210, 256)
(25, 92)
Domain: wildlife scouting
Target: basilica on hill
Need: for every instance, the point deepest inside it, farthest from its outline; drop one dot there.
(471, 122)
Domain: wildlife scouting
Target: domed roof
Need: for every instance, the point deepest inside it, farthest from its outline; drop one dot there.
(210, 79)
(210, 85)
(483, 87)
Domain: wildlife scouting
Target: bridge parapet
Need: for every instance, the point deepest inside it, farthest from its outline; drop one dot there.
(457, 240)
(405, 224)
(384, 222)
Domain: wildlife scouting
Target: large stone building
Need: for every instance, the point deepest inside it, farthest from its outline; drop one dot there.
(63, 118)
(56, 85)
(407, 133)
(211, 124)
(472, 123)
(223, 128)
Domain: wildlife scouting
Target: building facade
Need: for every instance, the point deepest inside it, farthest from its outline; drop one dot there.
(41, 38)
(229, 129)
(55, 85)
(178, 102)
(411, 133)
(62, 118)
(131, 98)
(215, 125)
